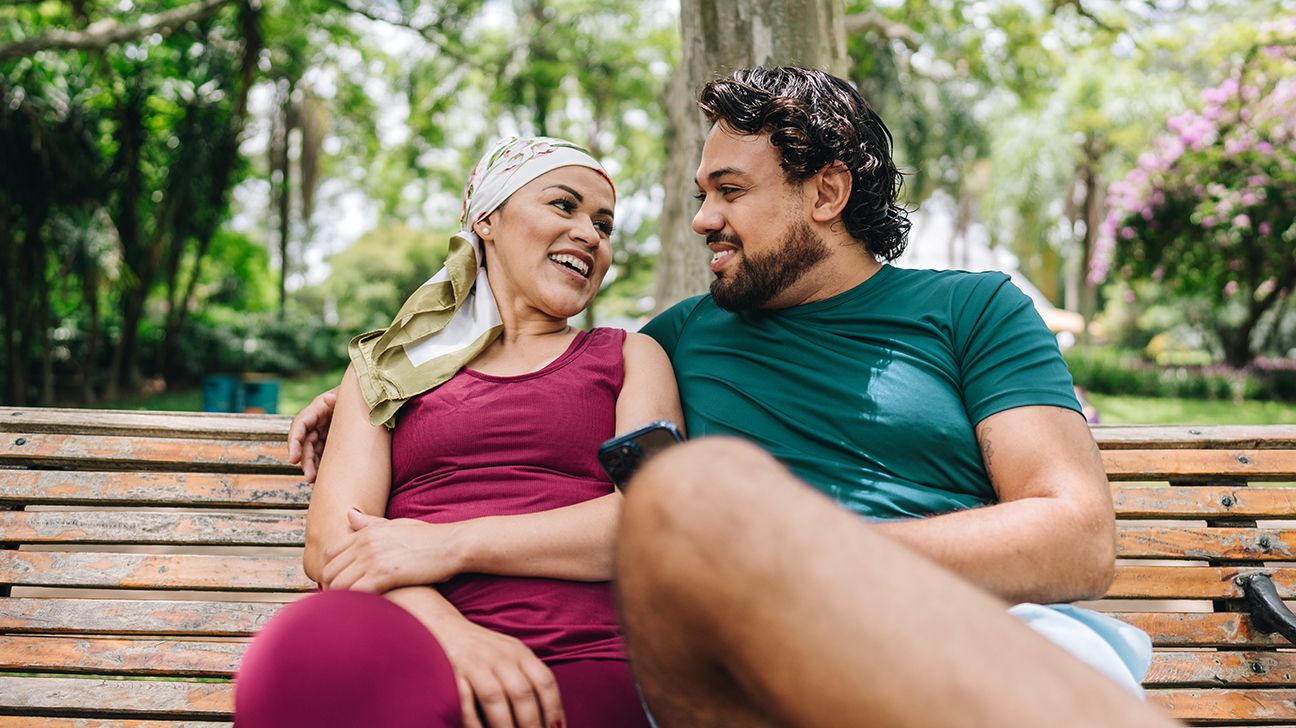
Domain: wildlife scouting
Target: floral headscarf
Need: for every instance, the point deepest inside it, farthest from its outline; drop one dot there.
(452, 317)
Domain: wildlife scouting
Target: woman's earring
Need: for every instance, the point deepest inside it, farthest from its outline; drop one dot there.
(485, 230)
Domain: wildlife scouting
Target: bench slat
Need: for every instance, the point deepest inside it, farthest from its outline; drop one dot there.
(120, 656)
(1200, 629)
(1203, 437)
(1203, 501)
(1240, 707)
(155, 489)
(153, 571)
(1192, 582)
(218, 529)
(1163, 464)
(99, 452)
(135, 698)
(19, 615)
(146, 424)
(1201, 543)
(1215, 669)
(31, 721)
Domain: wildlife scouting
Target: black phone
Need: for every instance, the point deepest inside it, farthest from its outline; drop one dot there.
(621, 456)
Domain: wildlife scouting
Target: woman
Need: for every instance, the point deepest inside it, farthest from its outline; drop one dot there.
(494, 548)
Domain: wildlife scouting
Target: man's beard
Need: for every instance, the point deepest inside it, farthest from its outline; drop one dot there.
(756, 280)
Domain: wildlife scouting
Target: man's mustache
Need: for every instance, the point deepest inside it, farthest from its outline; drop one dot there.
(724, 238)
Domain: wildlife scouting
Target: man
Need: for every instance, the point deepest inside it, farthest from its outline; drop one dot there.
(934, 403)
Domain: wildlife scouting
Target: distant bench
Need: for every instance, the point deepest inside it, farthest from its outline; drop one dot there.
(156, 512)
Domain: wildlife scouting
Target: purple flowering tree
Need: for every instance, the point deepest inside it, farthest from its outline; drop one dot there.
(1210, 210)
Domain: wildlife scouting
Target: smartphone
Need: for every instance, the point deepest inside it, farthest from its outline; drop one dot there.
(622, 456)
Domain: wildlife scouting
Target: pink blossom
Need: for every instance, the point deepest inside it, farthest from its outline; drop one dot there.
(1146, 213)
(1127, 233)
(1242, 222)
(1265, 228)
(1208, 222)
(1248, 199)
(1230, 288)
(1129, 296)
(1159, 273)
(1264, 148)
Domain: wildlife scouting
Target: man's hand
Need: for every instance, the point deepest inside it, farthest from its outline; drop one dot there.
(380, 554)
(502, 676)
(309, 431)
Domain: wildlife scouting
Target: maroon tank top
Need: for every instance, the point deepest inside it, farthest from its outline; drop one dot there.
(482, 445)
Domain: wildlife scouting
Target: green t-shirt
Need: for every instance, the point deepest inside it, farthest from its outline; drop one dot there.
(872, 395)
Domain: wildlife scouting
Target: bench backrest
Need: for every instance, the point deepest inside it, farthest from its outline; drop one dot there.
(1201, 509)
(152, 545)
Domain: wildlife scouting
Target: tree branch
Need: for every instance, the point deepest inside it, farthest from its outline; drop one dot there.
(430, 32)
(99, 35)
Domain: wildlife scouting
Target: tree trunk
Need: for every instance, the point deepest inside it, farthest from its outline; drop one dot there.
(280, 163)
(720, 36)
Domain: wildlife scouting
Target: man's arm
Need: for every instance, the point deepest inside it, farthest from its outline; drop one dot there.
(1051, 536)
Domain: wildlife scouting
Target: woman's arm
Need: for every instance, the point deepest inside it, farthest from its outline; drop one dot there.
(355, 472)
(574, 542)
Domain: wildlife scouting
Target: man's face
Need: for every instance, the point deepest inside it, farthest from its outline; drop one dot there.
(753, 220)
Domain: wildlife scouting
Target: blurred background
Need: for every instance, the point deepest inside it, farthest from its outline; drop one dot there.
(201, 201)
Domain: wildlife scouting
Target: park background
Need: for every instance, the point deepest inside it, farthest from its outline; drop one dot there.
(194, 187)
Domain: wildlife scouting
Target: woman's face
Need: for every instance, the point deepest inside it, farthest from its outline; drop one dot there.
(548, 246)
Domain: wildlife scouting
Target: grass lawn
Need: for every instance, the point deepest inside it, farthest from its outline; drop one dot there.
(293, 395)
(1119, 410)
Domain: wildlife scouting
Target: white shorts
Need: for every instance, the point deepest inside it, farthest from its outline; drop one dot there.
(1108, 645)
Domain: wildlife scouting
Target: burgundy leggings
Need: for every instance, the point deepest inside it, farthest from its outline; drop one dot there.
(343, 658)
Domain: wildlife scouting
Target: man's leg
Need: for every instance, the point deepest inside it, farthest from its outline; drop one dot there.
(746, 593)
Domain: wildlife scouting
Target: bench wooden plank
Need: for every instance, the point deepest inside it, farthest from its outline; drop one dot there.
(156, 489)
(32, 721)
(1202, 543)
(153, 571)
(100, 452)
(1200, 629)
(1205, 437)
(1192, 582)
(1215, 669)
(20, 615)
(188, 658)
(1238, 707)
(1163, 464)
(146, 424)
(135, 698)
(92, 527)
(1203, 501)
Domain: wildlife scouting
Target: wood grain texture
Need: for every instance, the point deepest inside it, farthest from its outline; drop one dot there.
(1204, 501)
(96, 527)
(1201, 629)
(103, 452)
(135, 698)
(1199, 437)
(1220, 669)
(1202, 543)
(1236, 707)
(1193, 582)
(20, 615)
(148, 424)
(1252, 465)
(153, 571)
(102, 656)
(36, 487)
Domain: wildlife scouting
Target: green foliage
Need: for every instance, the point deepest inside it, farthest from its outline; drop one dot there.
(370, 280)
(1124, 372)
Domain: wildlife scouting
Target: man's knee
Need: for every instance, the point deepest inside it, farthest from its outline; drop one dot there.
(693, 499)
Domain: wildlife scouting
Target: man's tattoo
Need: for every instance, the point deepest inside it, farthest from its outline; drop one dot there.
(987, 454)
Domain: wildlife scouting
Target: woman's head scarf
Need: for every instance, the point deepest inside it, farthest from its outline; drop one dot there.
(452, 317)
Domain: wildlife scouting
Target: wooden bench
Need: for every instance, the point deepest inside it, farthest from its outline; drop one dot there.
(187, 528)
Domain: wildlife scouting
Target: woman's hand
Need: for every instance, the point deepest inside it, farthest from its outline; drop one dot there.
(380, 554)
(500, 675)
(308, 432)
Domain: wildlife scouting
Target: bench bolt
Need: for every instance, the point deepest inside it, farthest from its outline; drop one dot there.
(1227, 501)
(1258, 668)
(1243, 459)
(20, 441)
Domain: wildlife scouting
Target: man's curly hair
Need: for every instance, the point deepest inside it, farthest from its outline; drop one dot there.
(815, 119)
